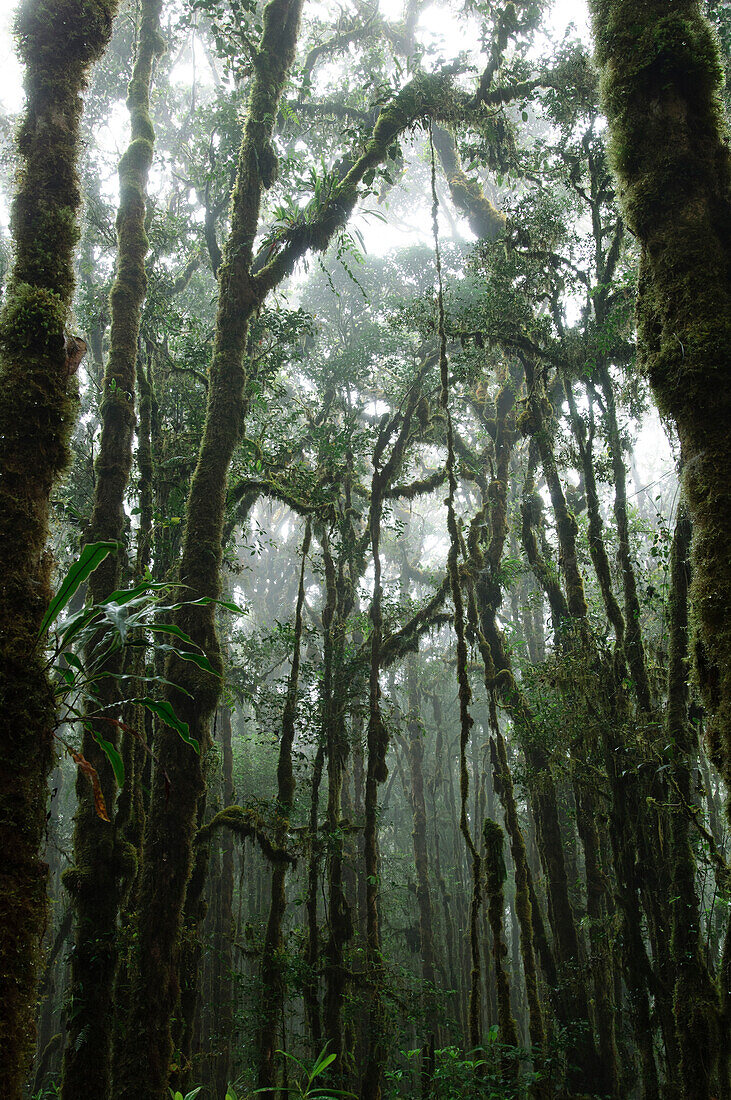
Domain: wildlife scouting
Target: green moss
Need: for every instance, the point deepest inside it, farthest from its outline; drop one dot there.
(33, 320)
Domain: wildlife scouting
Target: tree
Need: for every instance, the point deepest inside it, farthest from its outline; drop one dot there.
(58, 45)
(661, 81)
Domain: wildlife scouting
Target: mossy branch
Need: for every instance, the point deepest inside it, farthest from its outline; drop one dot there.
(248, 825)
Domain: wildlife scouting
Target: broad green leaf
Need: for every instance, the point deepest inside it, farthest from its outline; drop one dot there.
(72, 660)
(226, 604)
(78, 622)
(67, 676)
(166, 714)
(113, 757)
(122, 595)
(188, 655)
(91, 556)
(117, 615)
(321, 1064)
(171, 628)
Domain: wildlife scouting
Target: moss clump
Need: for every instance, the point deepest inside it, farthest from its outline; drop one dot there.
(33, 320)
(527, 421)
(485, 219)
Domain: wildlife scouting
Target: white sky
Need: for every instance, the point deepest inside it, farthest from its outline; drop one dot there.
(11, 91)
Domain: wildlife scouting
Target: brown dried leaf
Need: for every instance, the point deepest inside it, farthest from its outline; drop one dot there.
(93, 776)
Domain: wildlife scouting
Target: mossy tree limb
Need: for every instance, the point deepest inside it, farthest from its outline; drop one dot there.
(58, 42)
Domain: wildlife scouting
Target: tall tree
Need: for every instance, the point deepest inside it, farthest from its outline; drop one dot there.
(58, 43)
(661, 80)
(145, 1063)
(101, 863)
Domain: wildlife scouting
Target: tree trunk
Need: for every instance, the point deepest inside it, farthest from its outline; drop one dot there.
(661, 81)
(57, 43)
(178, 779)
(100, 859)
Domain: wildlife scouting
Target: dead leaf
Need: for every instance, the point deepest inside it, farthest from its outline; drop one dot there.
(93, 776)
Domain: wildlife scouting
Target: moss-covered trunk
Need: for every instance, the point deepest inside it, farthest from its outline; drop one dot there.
(224, 988)
(421, 850)
(495, 876)
(524, 910)
(334, 618)
(661, 78)
(696, 1003)
(58, 42)
(310, 993)
(272, 980)
(96, 876)
(178, 779)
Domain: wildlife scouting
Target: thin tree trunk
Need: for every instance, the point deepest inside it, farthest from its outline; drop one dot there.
(272, 1003)
(224, 936)
(101, 860)
(696, 1002)
(178, 779)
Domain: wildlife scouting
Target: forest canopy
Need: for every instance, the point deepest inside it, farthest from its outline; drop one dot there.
(365, 649)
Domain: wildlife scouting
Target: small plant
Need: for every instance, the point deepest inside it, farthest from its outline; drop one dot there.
(308, 1087)
(189, 1095)
(81, 645)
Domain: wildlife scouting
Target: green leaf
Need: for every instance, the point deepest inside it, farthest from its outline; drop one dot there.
(199, 659)
(166, 714)
(67, 676)
(77, 623)
(204, 600)
(113, 757)
(91, 556)
(72, 660)
(124, 595)
(321, 1064)
(117, 616)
